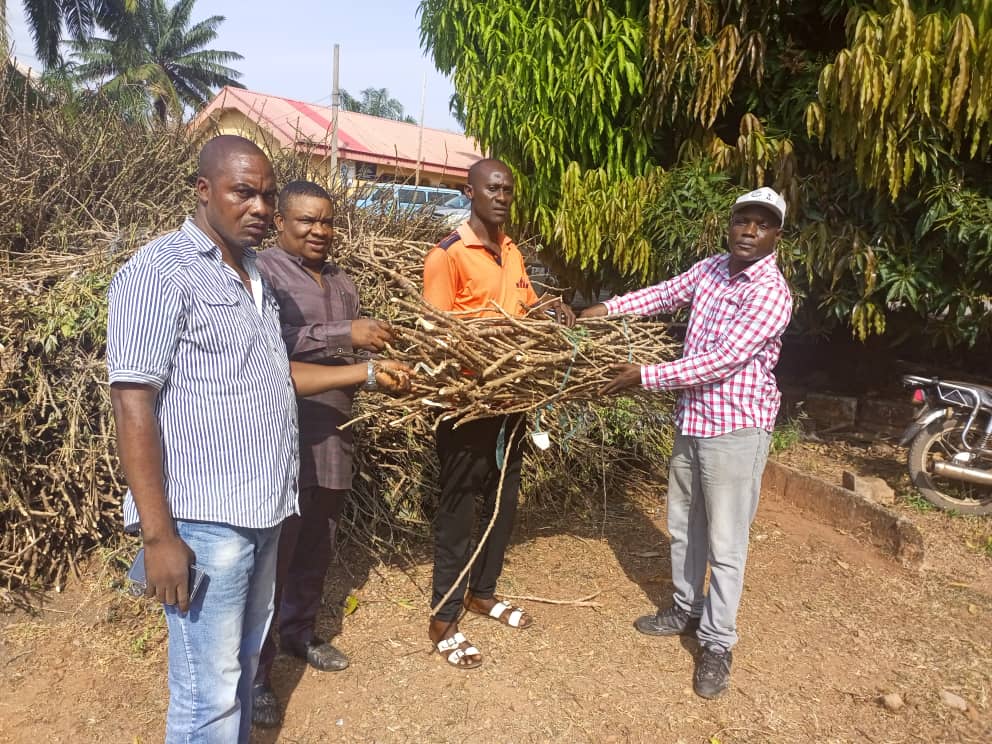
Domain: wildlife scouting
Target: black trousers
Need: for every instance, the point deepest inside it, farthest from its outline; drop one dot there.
(304, 557)
(469, 480)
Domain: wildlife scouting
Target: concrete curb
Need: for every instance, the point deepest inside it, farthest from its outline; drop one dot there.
(847, 510)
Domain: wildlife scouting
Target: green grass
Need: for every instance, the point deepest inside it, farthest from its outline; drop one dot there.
(786, 435)
(915, 500)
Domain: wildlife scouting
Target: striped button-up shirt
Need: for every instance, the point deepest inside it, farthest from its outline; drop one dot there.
(732, 343)
(180, 320)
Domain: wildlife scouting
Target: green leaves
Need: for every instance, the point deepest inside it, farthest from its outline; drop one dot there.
(630, 126)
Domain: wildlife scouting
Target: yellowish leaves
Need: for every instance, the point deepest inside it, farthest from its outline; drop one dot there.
(717, 73)
(957, 72)
(867, 319)
(815, 121)
(600, 216)
(692, 46)
(754, 150)
(875, 100)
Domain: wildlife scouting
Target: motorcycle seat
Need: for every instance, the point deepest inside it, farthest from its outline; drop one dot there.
(984, 391)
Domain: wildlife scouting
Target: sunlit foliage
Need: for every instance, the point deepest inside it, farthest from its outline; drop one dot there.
(631, 123)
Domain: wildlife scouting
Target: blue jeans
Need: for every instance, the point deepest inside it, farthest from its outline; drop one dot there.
(713, 489)
(214, 648)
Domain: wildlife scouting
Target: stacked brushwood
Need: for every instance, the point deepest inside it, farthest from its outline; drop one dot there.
(471, 368)
(81, 189)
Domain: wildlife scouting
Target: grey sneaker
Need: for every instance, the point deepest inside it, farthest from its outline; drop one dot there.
(673, 621)
(712, 676)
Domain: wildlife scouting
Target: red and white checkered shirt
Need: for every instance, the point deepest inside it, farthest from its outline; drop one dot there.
(731, 346)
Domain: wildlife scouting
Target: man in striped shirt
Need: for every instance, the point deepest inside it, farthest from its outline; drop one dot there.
(204, 399)
(740, 306)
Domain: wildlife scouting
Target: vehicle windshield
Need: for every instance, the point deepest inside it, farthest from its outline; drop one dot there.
(459, 201)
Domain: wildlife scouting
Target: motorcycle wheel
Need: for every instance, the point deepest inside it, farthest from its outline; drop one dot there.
(940, 441)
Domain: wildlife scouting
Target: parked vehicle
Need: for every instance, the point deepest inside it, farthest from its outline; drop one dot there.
(453, 211)
(950, 458)
(390, 198)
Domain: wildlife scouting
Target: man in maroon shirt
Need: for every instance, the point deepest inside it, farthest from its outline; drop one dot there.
(318, 311)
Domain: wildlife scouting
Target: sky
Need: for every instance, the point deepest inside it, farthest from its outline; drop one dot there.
(380, 48)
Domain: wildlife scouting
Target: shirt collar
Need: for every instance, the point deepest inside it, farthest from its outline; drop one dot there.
(755, 270)
(205, 245)
(469, 238)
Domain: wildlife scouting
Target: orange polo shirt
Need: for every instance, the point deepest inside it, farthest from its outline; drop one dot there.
(460, 275)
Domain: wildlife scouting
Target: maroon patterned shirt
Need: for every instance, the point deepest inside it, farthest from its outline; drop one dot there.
(732, 343)
(316, 326)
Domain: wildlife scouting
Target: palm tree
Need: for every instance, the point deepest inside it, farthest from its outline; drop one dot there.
(376, 102)
(154, 55)
(45, 19)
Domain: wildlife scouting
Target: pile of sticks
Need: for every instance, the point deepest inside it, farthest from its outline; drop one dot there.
(470, 368)
(473, 368)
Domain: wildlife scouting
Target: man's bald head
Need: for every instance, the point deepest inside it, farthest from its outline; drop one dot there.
(480, 169)
(490, 187)
(236, 193)
(218, 153)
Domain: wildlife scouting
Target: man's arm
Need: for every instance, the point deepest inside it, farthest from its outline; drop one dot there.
(321, 340)
(139, 445)
(318, 342)
(145, 313)
(550, 303)
(766, 316)
(312, 379)
(666, 297)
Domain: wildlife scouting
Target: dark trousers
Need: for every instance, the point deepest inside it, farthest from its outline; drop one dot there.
(469, 472)
(304, 556)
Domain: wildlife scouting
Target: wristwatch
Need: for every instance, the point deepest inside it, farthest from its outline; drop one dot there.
(370, 381)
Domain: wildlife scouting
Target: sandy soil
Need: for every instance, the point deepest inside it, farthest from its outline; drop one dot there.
(827, 627)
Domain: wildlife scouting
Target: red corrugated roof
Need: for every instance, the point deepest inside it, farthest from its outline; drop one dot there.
(360, 136)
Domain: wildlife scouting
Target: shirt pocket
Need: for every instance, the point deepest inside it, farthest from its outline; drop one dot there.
(721, 317)
(219, 322)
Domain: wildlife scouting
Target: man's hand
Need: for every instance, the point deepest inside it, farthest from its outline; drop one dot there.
(371, 334)
(594, 311)
(167, 563)
(393, 377)
(561, 312)
(624, 376)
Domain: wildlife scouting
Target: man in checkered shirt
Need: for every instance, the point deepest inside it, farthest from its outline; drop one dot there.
(740, 305)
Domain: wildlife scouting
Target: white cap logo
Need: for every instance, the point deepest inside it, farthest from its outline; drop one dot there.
(764, 197)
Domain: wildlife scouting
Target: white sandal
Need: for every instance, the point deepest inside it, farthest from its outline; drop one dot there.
(457, 653)
(513, 620)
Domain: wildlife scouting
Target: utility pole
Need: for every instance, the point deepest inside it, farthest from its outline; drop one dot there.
(335, 107)
(420, 139)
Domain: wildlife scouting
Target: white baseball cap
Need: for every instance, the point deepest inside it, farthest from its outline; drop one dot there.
(764, 197)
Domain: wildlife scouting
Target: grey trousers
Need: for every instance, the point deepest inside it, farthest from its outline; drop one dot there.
(713, 489)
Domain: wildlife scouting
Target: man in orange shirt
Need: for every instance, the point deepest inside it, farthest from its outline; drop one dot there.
(469, 273)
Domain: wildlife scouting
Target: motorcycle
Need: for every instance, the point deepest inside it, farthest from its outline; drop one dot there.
(950, 444)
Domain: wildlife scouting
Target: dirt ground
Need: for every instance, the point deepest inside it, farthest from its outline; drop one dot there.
(827, 627)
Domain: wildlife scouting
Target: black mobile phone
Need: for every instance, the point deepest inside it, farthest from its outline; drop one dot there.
(137, 582)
